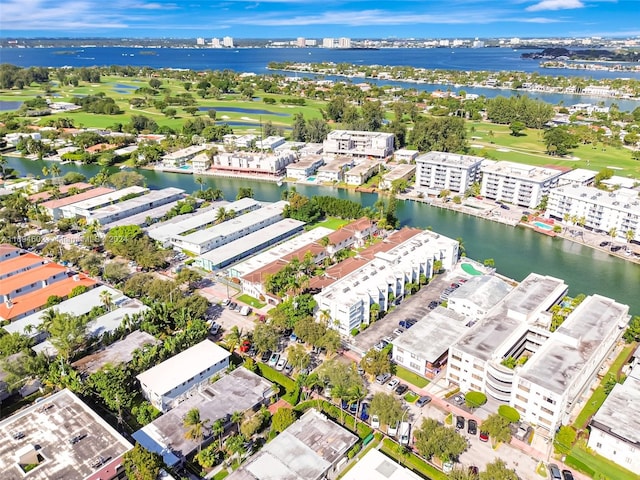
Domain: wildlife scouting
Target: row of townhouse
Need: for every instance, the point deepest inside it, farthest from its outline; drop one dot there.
(347, 301)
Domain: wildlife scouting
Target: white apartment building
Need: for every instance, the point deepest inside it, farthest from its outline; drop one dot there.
(248, 162)
(519, 184)
(166, 383)
(200, 163)
(333, 170)
(227, 42)
(560, 365)
(361, 173)
(202, 241)
(85, 208)
(398, 172)
(328, 43)
(477, 296)
(615, 428)
(344, 42)
(348, 300)
(180, 157)
(600, 210)
(358, 144)
(405, 155)
(305, 167)
(143, 203)
(437, 171)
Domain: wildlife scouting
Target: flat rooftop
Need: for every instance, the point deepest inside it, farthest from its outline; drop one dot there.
(484, 291)
(237, 391)
(304, 451)
(141, 218)
(113, 319)
(258, 261)
(432, 336)
(203, 216)
(97, 202)
(234, 225)
(580, 175)
(78, 305)
(137, 202)
(536, 292)
(335, 165)
(619, 415)
(233, 250)
(449, 159)
(306, 162)
(375, 465)
(572, 347)
(49, 426)
(623, 199)
(115, 354)
(399, 171)
(363, 167)
(181, 367)
(520, 171)
(46, 195)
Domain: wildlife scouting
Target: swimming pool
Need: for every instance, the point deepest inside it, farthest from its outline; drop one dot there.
(543, 226)
(185, 167)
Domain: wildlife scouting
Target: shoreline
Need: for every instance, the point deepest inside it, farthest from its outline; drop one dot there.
(453, 84)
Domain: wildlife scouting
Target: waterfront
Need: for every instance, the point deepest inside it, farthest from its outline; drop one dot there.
(516, 251)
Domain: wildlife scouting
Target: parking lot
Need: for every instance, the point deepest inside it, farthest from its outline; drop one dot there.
(415, 307)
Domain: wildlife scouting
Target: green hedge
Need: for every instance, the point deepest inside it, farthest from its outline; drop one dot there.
(292, 391)
(509, 413)
(475, 399)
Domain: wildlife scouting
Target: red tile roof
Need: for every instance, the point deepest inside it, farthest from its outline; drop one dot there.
(18, 263)
(38, 298)
(29, 277)
(94, 192)
(41, 196)
(6, 248)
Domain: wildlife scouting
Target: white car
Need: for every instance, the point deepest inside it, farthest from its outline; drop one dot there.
(281, 363)
(392, 430)
(375, 421)
(393, 384)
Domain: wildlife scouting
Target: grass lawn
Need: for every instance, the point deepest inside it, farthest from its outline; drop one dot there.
(592, 463)
(411, 397)
(249, 300)
(220, 475)
(333, 223)
(598, 397)
(411, 377)
(529, 148)
(411, 461)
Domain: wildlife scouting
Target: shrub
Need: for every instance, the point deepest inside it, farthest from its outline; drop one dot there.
(509, 413)
(564, 439)
(475, 399)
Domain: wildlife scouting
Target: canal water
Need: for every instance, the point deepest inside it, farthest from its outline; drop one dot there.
(516, 251)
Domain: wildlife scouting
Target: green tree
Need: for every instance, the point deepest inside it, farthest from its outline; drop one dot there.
(387, 407)
(244, 192)
(374, 362)
(68, 332)
(265, 337)
(283, 418)
(559, 141)
(195, 427)
(497, 470)
(298, 356)
(632, 333)
(498, 428)
(435, 440)
(141, 464)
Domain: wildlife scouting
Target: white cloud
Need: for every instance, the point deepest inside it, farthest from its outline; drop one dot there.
(555, 5)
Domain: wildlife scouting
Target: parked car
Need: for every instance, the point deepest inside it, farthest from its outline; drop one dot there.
(422, 401)
(554, 472)
(382, 378)
(460, 422)
(484, 436)
(567, 475)
(401, 389)
(604, 244)
(364, 411)
(504, 207)
(288, 368)
(406, 323)
(273, 360)
(281, 363)
(265, 356)
(472, 427)
(232, 305)
(392, 430)
(375, 421)
(214, 329)
(246, 345)
(433, 304)
(447, 467)
(404, 433)
(393, 384)
(225, 302)
(398, 331)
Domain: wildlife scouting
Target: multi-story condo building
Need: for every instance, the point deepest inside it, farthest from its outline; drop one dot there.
(523, 185)
(553, 368)
(179, 158)
(305, 167)
(382, 280)
(398, 172)
(358, 144)
(254, 163)
(227, 42)
(438, 171)
(617, 211)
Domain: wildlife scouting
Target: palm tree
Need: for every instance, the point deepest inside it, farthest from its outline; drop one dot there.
(200, 181)
(107, 299)
(218, 428)
(613, 233)
(629, 235)
(237, 417)
(45, 172)
(233, 338)
(221, 215)
(195, 427)
(55, 170)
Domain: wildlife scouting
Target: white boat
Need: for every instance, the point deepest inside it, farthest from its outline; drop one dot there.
(279, 183)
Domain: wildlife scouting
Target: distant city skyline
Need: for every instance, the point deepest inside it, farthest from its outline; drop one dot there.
(329, 18)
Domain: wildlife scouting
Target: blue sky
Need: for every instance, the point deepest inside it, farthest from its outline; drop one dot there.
(319, 18)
